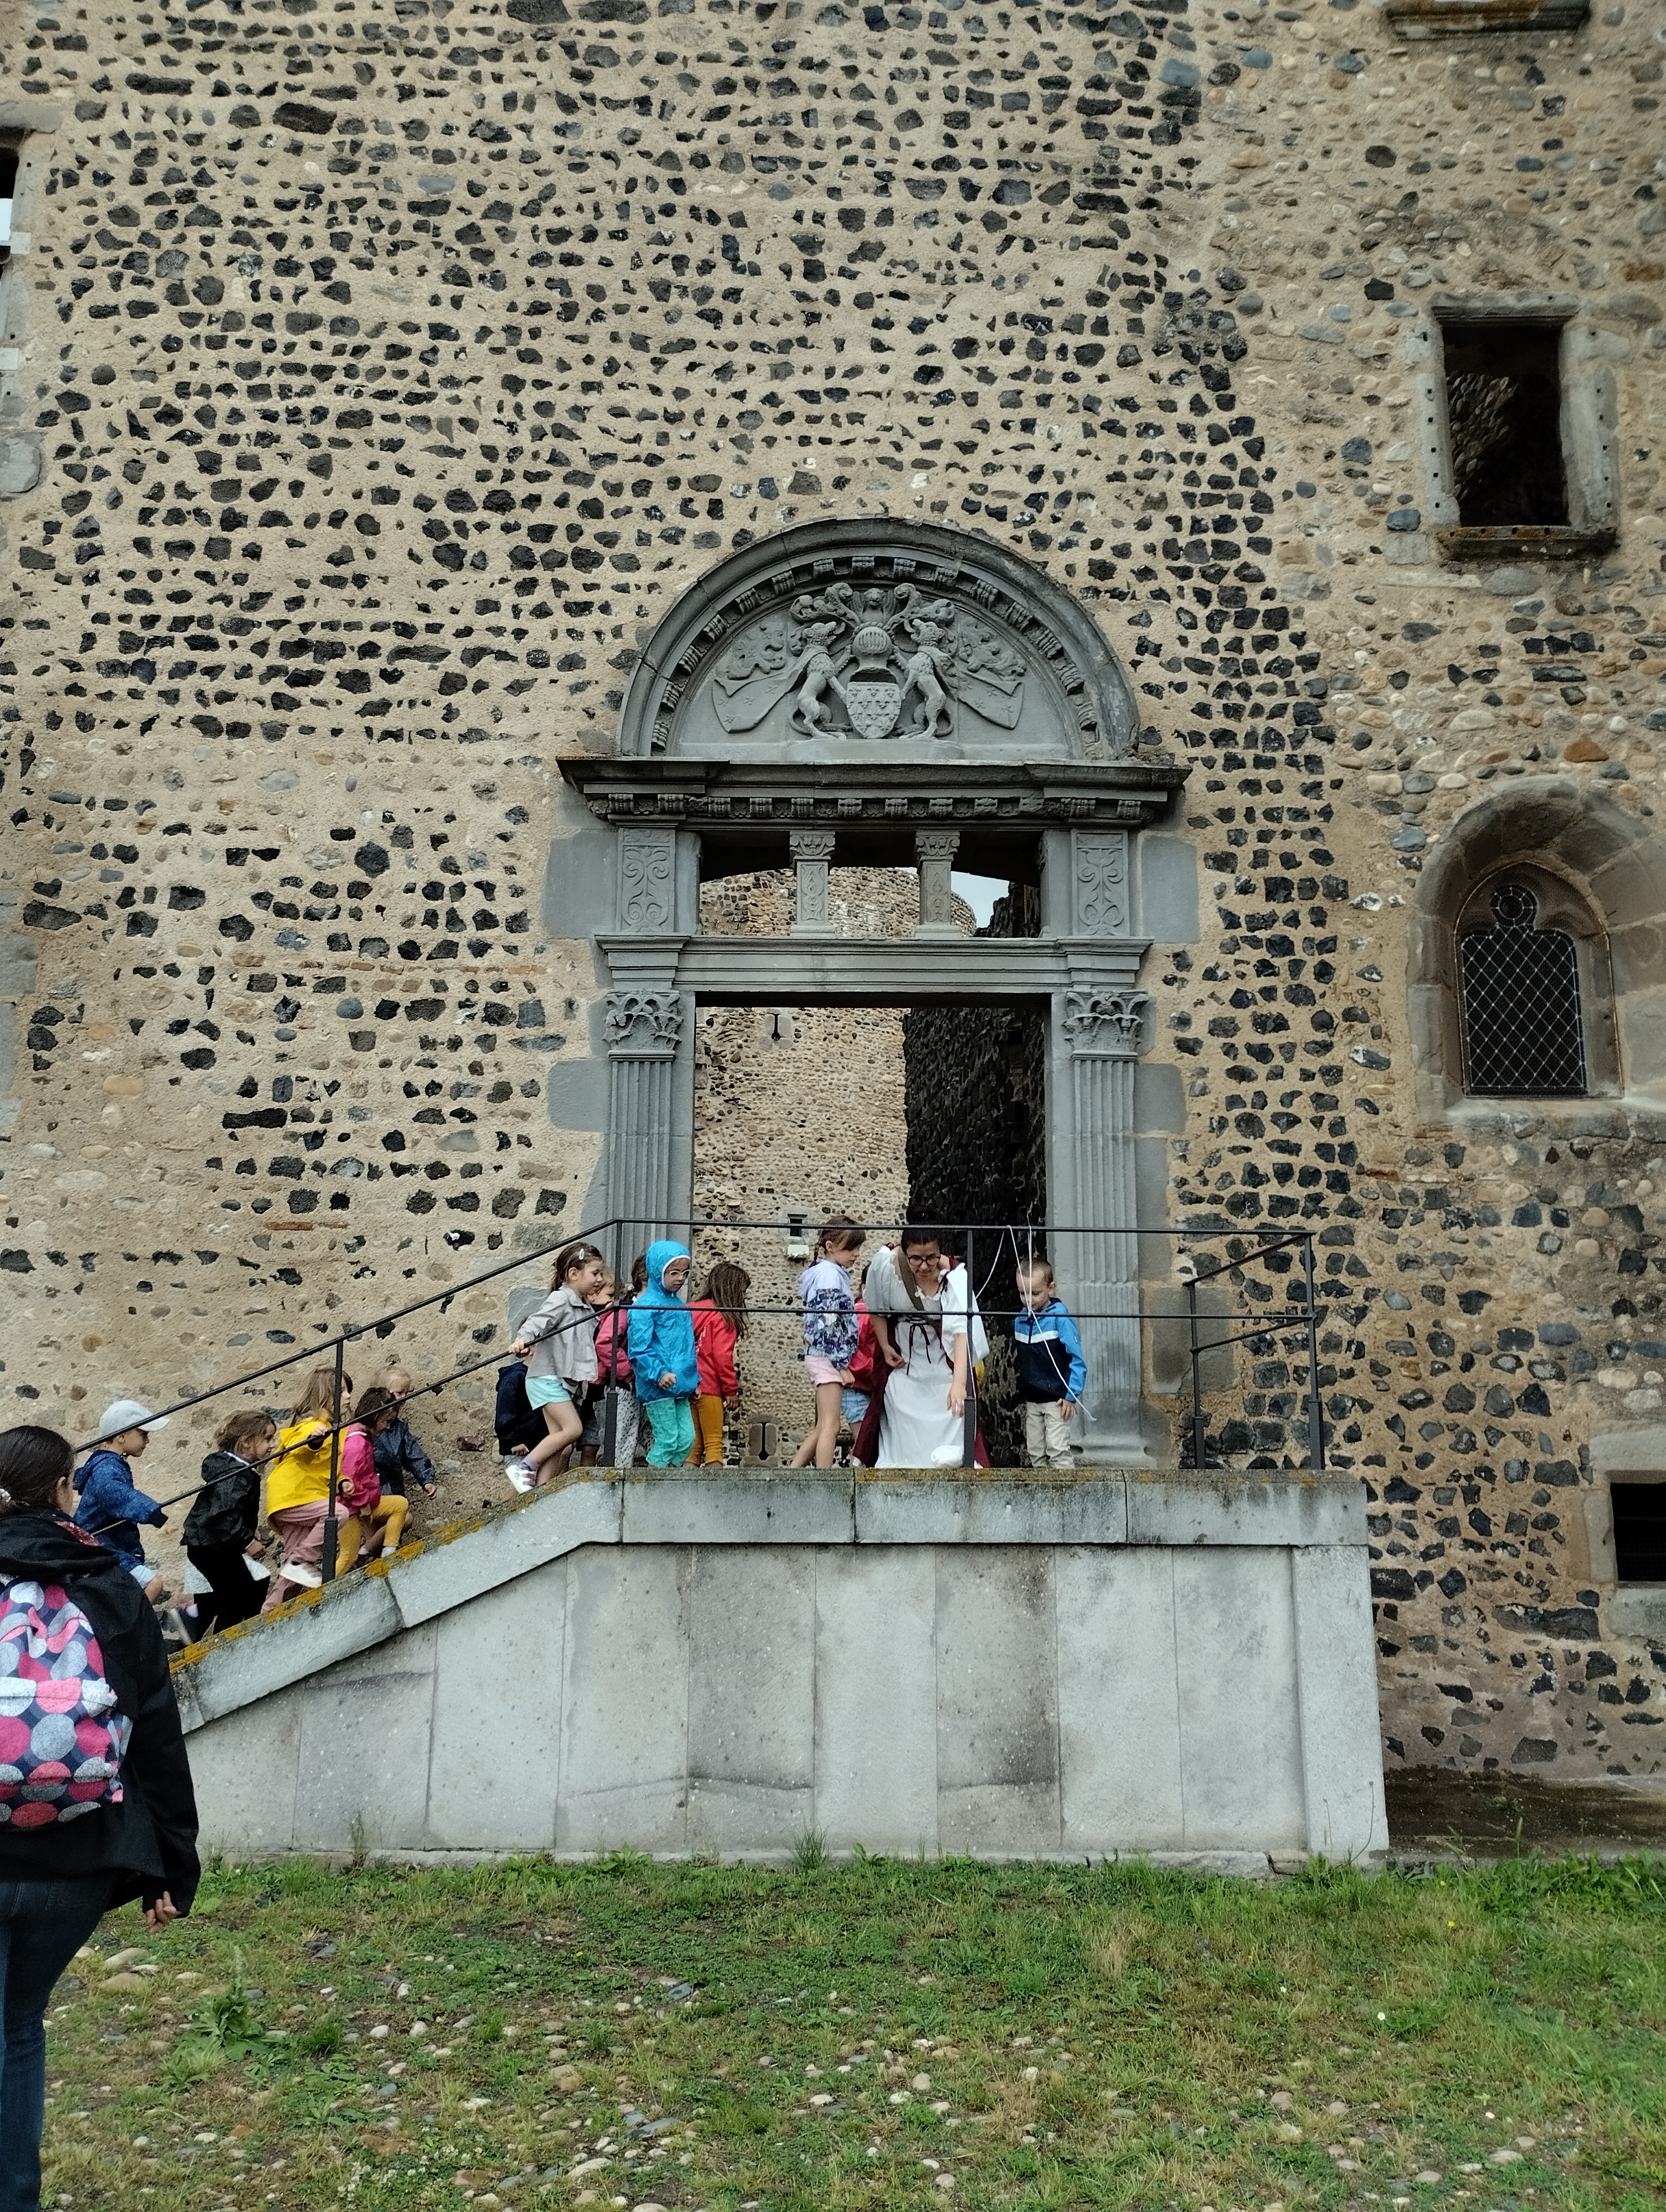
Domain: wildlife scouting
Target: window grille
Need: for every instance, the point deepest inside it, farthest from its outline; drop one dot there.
(1523, 1027)
(1639, 1531)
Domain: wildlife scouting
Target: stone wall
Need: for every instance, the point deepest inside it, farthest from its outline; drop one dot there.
(374, 378)
(797, 1110)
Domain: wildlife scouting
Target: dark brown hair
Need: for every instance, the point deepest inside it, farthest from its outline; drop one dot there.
(839, 1232)
(727, 1287)
(922, 1232)
(33, 1464)
(574, 1256)
(372, 1404)
(237, 1428)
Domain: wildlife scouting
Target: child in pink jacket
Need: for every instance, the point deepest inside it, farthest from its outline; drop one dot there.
(382, 1518)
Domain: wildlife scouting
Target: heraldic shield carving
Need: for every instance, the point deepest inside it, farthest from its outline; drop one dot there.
(880, 663)
(879, 640)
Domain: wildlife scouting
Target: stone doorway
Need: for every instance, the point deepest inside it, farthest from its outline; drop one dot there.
(884, 1113)
(752, 740)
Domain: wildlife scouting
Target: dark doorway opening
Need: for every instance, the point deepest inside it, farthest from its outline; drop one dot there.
(1639, 1531)
(1503, 409)
(974, 1100)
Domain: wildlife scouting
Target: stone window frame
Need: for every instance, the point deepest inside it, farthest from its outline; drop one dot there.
(25, 125)
(1460, 18)
(1633, 1455)
(1590, 428)
(1560, 907)
(1608, 870)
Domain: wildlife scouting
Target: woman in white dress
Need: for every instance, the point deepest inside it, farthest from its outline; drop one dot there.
(929, 1337)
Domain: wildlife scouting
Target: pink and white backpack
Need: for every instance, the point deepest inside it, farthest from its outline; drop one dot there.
(61, 1736)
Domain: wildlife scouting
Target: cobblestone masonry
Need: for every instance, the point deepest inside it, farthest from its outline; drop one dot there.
(391, 367)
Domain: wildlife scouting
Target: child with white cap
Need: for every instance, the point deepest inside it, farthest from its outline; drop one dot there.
(111, 1507)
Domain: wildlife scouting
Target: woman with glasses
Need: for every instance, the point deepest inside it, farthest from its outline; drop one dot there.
(930, 1340)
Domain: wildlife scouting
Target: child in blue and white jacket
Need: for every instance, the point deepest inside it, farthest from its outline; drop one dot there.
(112, 1507)
(1052, 1372)
(661, 1340)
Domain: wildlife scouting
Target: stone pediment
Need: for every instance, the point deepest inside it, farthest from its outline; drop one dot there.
(857, 642)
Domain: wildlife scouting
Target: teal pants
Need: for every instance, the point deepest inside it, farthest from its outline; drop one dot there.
(671, 1422)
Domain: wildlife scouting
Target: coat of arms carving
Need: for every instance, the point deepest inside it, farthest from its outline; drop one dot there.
(878, 663)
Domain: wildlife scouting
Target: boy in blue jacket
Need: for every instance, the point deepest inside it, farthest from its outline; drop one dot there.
(661, 1339)
(111, 1507)
(1052, 1372)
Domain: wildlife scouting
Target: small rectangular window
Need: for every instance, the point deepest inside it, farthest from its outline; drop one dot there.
(1639, 1531)
(1504, 412)
(1520, 414)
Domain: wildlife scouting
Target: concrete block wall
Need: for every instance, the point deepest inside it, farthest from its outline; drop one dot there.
(1001, 1668)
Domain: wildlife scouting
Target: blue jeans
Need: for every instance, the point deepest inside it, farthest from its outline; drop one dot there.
(42, 1925)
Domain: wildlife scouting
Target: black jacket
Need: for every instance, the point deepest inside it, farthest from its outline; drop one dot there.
(147, 1843)
(228, 1508)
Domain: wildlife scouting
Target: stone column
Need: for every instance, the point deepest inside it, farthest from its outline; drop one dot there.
(1097, 1037)
(935, 852)
(645, 1030)
(812, 853)
(649, 1032)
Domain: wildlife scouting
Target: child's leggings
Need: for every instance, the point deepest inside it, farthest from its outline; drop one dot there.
(387, 1521)
(672, 1424)
(709, 1419)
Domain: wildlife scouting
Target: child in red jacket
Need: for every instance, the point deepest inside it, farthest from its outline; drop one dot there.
(719, 1320)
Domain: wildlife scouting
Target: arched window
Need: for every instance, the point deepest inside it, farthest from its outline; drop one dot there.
(1519, 995)
(1537, 957)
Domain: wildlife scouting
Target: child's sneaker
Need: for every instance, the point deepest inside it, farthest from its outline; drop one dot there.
(518, 1475)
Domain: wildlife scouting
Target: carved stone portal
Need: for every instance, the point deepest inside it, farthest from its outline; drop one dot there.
(873, 691)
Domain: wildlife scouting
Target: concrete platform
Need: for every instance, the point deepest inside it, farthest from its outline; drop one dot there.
(999, 1665)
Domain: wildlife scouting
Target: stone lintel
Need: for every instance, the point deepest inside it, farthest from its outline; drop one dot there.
(803, 970)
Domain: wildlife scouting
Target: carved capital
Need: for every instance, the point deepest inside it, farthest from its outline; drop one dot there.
(936, 844)
(1105, 1021)
(644, 1025)
(811, 844)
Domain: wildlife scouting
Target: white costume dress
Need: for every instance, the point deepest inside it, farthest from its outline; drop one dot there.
(916, 1428)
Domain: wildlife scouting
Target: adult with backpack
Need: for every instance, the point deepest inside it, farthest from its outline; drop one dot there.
(96, 1804)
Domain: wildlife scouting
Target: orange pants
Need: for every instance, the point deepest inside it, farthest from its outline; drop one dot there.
(708, 1431)
(386, 1523)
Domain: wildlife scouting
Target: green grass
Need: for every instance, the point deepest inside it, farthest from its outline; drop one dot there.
(1052, 2038)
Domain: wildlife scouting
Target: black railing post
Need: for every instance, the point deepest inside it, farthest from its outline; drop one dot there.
(328, 1561)
(969, 1435)
(1315, 1434)
(1199, 1425)
(611, 1404)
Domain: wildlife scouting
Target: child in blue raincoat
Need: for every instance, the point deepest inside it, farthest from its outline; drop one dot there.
(112, 1507)
(661, 1339)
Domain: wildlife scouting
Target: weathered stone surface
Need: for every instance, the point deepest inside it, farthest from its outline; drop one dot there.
(344, 484)
(730, 1692)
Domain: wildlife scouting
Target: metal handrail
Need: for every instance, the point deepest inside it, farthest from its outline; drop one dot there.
(1259, 1247)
